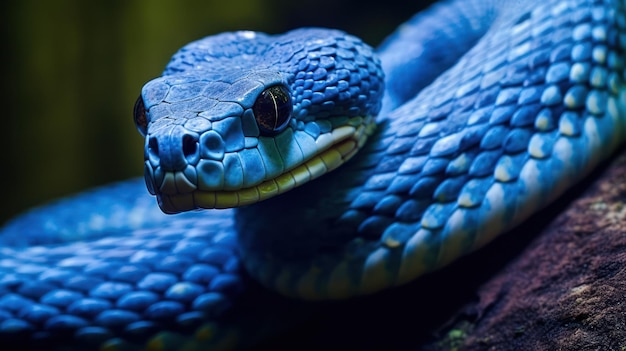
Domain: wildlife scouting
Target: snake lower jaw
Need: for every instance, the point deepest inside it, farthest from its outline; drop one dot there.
(341, 146)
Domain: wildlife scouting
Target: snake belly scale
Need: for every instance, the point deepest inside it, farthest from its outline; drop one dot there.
(469, 118)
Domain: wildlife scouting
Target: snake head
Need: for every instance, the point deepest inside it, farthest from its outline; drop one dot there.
(240, 117)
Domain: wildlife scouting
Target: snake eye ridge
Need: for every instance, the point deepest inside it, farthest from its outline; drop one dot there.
(272, 110)
(139, 115)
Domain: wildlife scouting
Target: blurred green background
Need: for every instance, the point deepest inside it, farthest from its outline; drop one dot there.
(73, 70)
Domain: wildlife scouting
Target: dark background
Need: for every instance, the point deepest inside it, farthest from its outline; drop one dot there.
(73, 69)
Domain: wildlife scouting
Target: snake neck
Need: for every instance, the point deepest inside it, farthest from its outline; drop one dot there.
(298, 228)
(300, 223)
(323, 223)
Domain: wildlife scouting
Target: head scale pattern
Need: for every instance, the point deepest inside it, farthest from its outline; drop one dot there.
(205, 143)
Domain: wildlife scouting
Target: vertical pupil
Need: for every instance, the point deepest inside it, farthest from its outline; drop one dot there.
(283, 106)
(273, 109)
(273, 99)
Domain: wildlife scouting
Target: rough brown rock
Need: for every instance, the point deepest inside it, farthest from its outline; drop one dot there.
(566, 290)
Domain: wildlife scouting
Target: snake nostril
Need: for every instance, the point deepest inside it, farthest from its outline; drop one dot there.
(190, 148)
(190, 145)
(172, 150)
(153, 147)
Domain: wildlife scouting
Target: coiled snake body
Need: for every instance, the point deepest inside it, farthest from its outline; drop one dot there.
(490, 111)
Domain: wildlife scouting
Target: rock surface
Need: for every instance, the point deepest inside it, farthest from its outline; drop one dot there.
(567, 289)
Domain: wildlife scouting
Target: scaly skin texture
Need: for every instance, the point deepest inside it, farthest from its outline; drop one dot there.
(534, 105)
(527, 101)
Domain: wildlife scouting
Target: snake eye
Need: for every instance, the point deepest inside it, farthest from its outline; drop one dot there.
(272, 110)
(141, 121)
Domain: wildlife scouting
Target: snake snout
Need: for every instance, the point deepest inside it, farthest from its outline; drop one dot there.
(171, 156)
(172, 150)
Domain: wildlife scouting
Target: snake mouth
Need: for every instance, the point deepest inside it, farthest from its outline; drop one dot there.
(336, 148)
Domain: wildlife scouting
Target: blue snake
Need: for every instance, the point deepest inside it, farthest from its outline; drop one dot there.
(472, 116)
